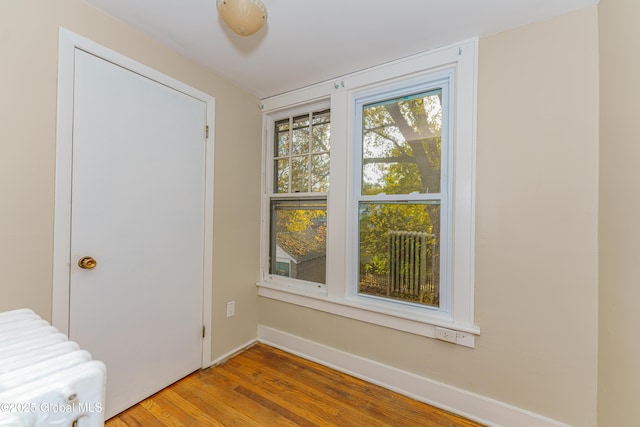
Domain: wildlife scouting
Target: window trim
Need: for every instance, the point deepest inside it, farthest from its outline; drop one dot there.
(334, 297)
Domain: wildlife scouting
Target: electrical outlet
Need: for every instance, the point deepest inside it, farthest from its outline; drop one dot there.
(448, 335)
(231, 308)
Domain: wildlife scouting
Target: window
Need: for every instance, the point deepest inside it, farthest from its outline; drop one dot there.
(298, 213)
(398, 249)
(402, 192)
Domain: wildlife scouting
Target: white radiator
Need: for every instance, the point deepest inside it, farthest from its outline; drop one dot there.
(45, 379)
(408, 258)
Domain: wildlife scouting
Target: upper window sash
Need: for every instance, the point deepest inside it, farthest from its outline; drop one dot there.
(270, 153)
(438, 81)
(301, 153)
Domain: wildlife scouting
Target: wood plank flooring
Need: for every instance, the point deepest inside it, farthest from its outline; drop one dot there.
(264, 386)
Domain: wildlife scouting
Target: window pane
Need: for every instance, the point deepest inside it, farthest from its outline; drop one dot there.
(300, 174)
(322, 117)
(320, 172)
(321, 131)
(300, 135)
(281, 183)
(402, 145)
(282, 138)
(298, 238)
(301, 121)
(400, 251)
(301, 153)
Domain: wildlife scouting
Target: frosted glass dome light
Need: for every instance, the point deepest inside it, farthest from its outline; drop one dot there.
(244, 17)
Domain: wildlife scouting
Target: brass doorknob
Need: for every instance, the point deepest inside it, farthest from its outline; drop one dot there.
(87, 263)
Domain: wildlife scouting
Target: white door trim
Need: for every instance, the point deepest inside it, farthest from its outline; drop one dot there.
(68, 43)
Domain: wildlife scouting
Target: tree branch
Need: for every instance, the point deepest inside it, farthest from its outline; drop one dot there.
(395, 142)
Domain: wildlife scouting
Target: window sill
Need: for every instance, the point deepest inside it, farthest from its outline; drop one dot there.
(316, 298)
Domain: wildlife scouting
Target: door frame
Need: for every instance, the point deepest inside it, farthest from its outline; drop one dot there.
(67, 45)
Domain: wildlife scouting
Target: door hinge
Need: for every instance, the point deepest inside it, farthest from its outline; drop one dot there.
(206, 131)
(203, 330)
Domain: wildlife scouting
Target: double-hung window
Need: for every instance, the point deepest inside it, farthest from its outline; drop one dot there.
(298, 199)
(402, 192)
(391, 242)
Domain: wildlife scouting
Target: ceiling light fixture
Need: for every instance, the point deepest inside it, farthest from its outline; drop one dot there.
(244, 17)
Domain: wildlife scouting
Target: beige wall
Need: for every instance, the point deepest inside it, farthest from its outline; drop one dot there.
(536, 278)
(28, 79)
(619, 356)
(536, 240)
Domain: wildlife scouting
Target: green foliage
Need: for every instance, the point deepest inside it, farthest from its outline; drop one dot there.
(402, 154)
(402, 146)
(302, 232)
(377, 219)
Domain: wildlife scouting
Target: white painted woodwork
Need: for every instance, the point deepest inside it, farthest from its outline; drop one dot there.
(337, 297)
(477, 407)
(138, 204)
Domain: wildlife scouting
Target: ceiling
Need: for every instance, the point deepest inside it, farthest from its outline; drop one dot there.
(306, 42)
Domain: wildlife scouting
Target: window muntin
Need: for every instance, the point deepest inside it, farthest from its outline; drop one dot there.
(301, 153)
(402, 196)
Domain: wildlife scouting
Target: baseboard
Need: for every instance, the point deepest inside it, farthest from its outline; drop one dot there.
(470, 405)
(228, 355)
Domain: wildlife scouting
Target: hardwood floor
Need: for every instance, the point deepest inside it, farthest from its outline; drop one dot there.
(264, 386)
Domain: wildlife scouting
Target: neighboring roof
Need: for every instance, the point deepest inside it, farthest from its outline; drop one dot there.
(302, 246)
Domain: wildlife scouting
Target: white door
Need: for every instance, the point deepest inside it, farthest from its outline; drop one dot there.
(138, 210)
